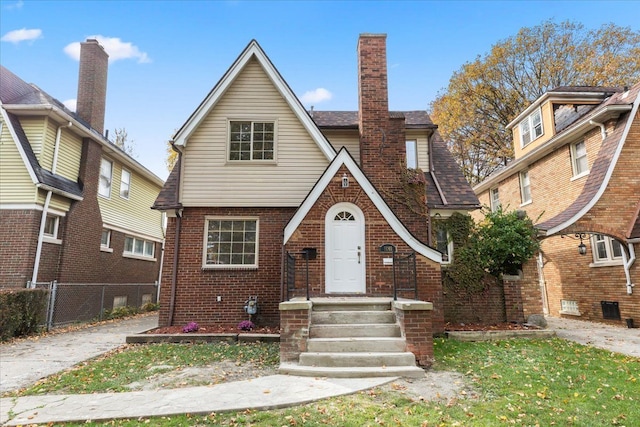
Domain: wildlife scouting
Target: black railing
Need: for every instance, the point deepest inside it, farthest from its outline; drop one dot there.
(306, 254)
(404, 274)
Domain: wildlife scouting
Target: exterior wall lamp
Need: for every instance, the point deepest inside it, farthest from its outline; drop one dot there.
(345, 180)
(582, 248)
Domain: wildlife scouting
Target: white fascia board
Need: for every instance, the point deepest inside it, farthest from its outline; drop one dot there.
(253, 50)
(343, 158)
(16, 141)
(549, 146)
(607, 177)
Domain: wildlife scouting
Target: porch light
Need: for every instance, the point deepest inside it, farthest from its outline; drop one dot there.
(345, 180)
(582, 248)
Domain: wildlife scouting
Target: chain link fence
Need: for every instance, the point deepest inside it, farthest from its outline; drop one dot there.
(75, 303)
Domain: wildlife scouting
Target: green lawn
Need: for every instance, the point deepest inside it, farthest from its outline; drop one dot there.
(517, 382)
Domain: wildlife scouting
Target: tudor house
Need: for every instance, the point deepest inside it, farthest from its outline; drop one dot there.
(273, 203)
(74, 208)
(575, 172)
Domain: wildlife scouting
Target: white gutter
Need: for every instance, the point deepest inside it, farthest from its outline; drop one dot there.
(45, 209)
(607, 178)
(627, 266)
(603, 130)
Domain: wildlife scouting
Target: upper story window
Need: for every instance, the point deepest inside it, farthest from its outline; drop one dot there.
(125, 183)
(251, 140)
(531, 128)
(495, 199)
(412, 154)
(444, 245)
(605, 249)
(579, 161)
(230, 242)
(106, 172)
(525, 187)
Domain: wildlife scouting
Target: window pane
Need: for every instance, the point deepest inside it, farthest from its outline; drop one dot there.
(104, 184)
(125, 182)
(128, 244)
(536, 118)
(616, 248)
(138, 246)
(148, 248)
(412, 156)
(525, 132)
(104, 240)
(50, 226)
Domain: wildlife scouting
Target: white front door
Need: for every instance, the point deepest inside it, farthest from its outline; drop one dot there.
(344, 250)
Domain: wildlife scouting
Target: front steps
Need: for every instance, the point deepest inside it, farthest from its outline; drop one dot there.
(353, 338)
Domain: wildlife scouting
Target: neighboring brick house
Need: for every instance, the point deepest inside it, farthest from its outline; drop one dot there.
(74, 208)
(576, 174)
(260, 179)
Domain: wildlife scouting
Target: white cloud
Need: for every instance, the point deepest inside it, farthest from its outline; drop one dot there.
(316, 96)
(17, 36)
(16, 5)
(71, 104)
(116, 48)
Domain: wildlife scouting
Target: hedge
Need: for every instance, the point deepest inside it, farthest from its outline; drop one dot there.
(22, 312)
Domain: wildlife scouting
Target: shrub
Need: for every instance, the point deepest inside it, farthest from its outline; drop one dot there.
(119, 313)
(190, 327)
(22, 312)
(246, 325)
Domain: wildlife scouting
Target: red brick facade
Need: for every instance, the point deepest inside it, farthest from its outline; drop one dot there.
(18, 238)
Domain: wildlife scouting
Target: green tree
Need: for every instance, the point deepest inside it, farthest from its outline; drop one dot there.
(488, 93)
(122, 141)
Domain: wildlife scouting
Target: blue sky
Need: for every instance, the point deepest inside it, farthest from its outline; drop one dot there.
(167, 55)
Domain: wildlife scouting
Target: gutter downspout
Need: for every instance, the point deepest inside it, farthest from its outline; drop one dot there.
(45, 208)
(176, 246)
(627, 263)
(603, 130)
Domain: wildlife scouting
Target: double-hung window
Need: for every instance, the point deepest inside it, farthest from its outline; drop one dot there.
(125, 183)
(230, 242)
(579, 161)
(249, 140)
(495, 199)
(531, 128)
(606, 249)
(525, 187)
(106, 172)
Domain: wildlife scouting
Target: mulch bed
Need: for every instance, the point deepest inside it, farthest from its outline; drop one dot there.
(507, 326)
(215, 329)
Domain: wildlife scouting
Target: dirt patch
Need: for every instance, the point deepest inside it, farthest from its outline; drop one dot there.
(506, 326)
(437, 386)
(215, 329)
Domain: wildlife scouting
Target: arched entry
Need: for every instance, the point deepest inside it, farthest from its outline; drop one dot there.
(344, 250)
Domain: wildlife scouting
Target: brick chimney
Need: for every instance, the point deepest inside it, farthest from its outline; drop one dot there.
(92, 84)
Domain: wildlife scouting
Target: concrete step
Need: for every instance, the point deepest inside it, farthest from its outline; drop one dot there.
(351, 372)
(357, 359)
(351, 304)
(357, 344)
(354, 330)
(350, 317)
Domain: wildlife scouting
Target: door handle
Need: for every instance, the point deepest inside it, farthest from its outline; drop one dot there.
(358, 254)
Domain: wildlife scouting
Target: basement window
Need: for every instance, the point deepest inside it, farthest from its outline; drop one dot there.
(569, 307)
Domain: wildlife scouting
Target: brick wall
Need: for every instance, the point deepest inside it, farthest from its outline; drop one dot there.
(486, 307)
(18, 238)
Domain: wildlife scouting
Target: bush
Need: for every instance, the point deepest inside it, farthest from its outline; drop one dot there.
(119, 313)
(22, 312)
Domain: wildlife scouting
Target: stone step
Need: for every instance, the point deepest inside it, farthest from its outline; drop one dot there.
(350, 317)
(351, 372)
(357, 344)
(357, 359)
(351, 304)
(354, 330)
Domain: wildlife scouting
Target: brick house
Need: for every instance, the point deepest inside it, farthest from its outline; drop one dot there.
(269, 200)
(575, 172)
(74, 208)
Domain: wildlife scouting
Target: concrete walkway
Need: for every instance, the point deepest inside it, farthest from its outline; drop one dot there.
(26, 361)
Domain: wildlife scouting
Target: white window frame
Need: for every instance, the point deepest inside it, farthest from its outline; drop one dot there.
(105, 181)
(447, 257)
(106, 246)
(252, 123)
(125, 184)
(600, 241)
(52, 235)
(575, 160)
(139, 248)
(533, 126)
(411, 148)
(494, 201)
(569, 307)
(525, 187)
(211, 265)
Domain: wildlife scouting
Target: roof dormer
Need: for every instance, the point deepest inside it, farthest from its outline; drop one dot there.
(552, 113)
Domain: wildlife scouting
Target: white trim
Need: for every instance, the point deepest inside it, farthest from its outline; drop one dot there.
(16, 141)
(529, 121)
(31, 207)
(53, 240)
(256, 119)
(573, 150)
(105, 249)
(577, 177)
(132, 233)
(328, 246)
(122, 172)
(614, 263)
(136, 256)
(253, 266)
(253, 50)
(344, 158)
(607, 178)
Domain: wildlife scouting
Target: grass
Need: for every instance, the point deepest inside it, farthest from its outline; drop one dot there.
(518, 382)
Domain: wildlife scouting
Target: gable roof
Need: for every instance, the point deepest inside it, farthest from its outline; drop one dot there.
(602, 168)
(344, 158)
(253, 50)
(168, 196)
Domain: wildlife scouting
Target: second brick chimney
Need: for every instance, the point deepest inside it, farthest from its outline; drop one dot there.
(92, 84)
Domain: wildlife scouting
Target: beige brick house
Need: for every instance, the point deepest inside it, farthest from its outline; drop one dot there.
(576, 173)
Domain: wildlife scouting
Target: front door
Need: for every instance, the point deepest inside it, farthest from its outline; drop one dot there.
(344, 250)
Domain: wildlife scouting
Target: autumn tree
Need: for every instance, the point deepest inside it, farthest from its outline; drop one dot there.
(487, 94)
(122, 141)
(172, 156)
